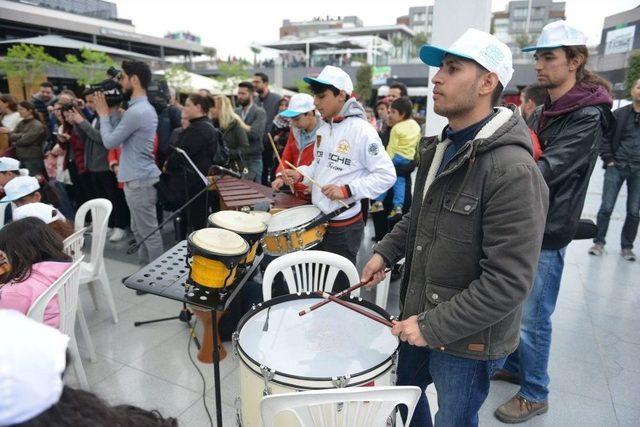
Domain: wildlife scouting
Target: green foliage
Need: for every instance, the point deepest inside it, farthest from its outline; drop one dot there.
(633, 73)
(28, 62)
(177, 77)
(302, 86)
(90, 68)
(419, 40)
(211, 52)
(363, 82)
(523, 40)
(230, 74)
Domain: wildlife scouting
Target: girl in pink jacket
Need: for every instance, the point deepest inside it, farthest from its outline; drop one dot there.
(34, 261)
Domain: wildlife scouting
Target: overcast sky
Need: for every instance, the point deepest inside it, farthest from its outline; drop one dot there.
(231, 26)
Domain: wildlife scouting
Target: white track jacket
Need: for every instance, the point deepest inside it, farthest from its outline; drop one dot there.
(349, 152)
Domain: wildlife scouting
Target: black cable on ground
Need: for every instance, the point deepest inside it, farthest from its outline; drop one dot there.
(204, 382)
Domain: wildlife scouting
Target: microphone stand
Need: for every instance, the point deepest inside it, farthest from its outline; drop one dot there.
(185, 314)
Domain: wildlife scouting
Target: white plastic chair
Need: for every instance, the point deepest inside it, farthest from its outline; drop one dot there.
(94, 269)
(66, 288)
(382, 289)
(72, 246)
(342, 407)
(309, 271)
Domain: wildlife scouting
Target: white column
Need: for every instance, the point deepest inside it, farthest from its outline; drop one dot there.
(450, 20)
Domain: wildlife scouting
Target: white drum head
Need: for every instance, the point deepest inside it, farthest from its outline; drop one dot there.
(238, 221)
(293, 217)
(262, 215)
(220, 241)
(331, 341)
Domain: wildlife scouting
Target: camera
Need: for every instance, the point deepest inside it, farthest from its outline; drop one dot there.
(110, 88)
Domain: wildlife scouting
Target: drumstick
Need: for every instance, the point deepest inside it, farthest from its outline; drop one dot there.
(356, 309)
(275, 150)
(314, 182)
(338, 295)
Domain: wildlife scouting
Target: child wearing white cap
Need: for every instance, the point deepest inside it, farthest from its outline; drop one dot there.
(350, 163)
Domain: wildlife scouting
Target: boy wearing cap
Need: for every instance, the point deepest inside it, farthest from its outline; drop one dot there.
(570, 126)
(298, 151)
(472, 238)
(350, 163)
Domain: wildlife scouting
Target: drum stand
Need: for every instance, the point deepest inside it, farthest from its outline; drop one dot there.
(168, 277)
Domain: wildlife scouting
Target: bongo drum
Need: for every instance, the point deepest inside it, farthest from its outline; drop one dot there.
(249, 227)
(216, 254)
(293, 230)
(265, 217)
(311, 352)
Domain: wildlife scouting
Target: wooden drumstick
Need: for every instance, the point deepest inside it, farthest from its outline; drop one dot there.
(345, 304)
(275, 150)
(338, 295)
(314, 182)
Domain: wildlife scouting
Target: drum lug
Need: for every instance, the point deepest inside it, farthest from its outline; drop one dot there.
(234, 339)
(267, 376)
(341, 382)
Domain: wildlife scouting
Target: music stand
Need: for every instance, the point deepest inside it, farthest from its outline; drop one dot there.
(167, 277)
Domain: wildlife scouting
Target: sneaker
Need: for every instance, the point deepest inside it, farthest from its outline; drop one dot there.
(395, 211)
(376, 207)
(597, 249)
(628, 254)
(117, 235)
(518, 410)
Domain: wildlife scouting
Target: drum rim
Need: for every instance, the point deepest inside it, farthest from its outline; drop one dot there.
(248, 233)
(307, 295)
(191, 245)
(297, 227)
(251, 238)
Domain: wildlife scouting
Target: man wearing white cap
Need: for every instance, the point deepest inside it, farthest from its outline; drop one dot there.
(472, 238)
(350, 163)
(298, 151)
(569, 126)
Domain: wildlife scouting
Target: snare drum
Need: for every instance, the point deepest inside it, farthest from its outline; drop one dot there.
(249, 227)
(311, 352)
(215, 254)
(293, 230)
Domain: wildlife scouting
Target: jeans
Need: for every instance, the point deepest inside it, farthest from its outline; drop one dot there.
(254, 166)
(462, 384)
(531, 359)
(614, 177)
(399, 186)
(141, 197)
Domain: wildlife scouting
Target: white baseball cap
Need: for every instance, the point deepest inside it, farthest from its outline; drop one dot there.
(558, 34)
(19, 187)
(300, 103)
(32, 360)
(46, 213)
(8, 164)
(335, 77)
(478, 46)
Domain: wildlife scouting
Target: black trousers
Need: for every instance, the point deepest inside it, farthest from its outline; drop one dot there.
(343, 241)
(82, 190)
(105, 185)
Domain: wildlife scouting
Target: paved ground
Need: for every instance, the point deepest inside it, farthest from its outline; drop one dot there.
(595, 367)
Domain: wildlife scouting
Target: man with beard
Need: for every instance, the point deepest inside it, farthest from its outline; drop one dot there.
(570, 126)
(472, 238)
(135, 134)
(270, 102)
(256, 118)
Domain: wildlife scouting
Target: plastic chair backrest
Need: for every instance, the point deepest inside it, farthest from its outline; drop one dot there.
(73, 244)
(100, 210)
(309, 271)
(343, 407)
(66, 289)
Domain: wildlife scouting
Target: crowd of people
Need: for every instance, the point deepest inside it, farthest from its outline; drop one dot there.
(483, 233)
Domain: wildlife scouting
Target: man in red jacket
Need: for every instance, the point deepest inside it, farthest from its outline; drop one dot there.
(300, 145)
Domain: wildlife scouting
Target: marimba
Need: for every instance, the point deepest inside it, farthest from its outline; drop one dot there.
(237, 193)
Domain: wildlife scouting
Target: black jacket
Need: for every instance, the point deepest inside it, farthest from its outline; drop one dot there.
(570, 145)
(611, 143)
(200, 141)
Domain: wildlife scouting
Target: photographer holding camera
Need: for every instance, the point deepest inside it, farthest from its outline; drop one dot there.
(135, 133)
(102, 178)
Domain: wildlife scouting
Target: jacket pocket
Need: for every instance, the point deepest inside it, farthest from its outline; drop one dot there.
(457, 217)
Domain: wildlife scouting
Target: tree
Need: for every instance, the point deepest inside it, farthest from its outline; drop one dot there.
(256, 51)
(211, 52)
(27, 63)
(363, 82)
(90, 68)
(633, 73)
(230, 74)
(302, 86)
(177, 78)
(523, 40)
(419, 40)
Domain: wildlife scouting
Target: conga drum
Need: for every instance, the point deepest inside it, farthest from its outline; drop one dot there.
(249, 227)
